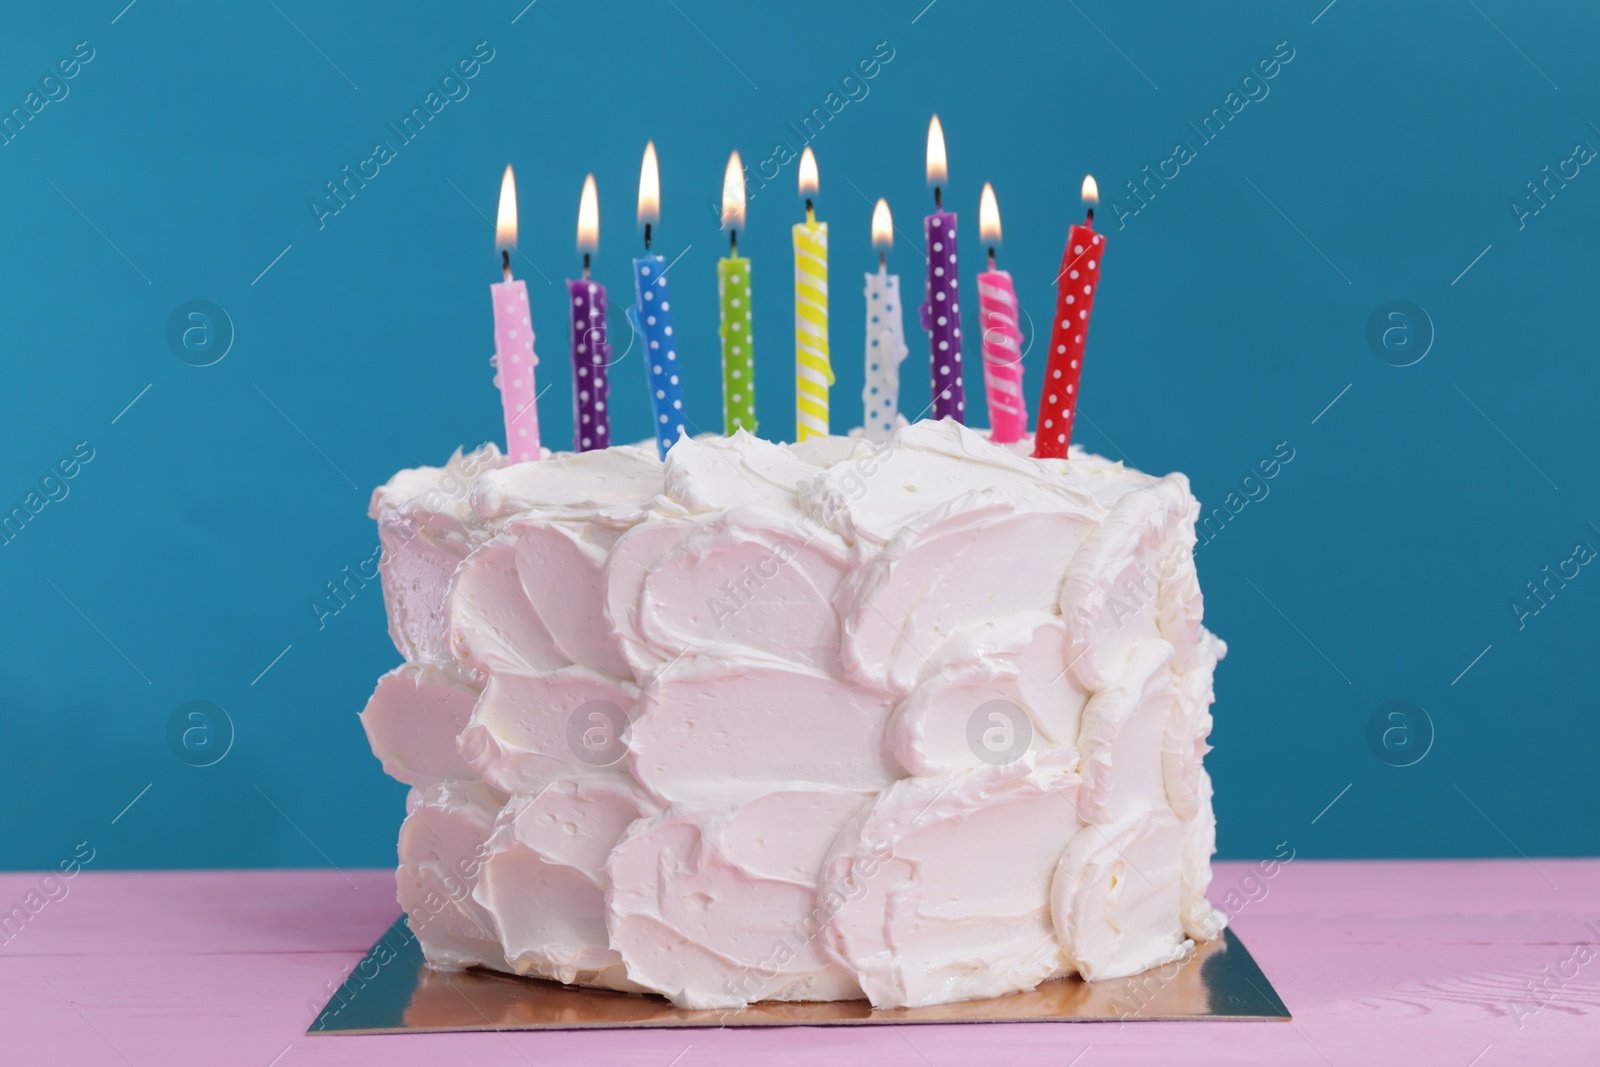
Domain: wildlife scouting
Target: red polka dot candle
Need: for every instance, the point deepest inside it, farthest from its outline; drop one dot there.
(941, 309)
(1002, 336)
(514, 358)
(1075, 289)
(591, 349)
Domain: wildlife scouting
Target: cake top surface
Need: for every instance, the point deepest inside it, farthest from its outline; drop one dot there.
(866, 491)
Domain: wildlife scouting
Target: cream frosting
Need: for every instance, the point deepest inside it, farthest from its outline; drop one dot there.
(716, 905)
(918, 720)
(426, 526)
(443, 843)
(413, 720)
(942, 889)
(545, 879)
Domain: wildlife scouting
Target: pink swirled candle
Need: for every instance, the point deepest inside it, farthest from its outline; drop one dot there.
(1002, 335)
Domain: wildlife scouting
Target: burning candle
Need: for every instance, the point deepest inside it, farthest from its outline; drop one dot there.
(1002, 336)
(813, 371)
(514, 358)
(1075, 289)
(733, 293)
(941, 310)
(591, 351)
(886, 338)
(651, 315)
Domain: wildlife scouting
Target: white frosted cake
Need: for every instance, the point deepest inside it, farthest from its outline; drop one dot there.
(917, 722)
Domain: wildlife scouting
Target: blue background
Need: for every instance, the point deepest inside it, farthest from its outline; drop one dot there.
(1235, 309)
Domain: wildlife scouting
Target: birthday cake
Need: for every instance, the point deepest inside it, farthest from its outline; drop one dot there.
(917, 721)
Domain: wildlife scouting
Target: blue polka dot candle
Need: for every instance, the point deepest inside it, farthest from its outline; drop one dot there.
(886, 337)
(941, 307)
(591, 350)
(651, 317)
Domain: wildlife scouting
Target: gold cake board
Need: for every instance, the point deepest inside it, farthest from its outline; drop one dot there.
(392, 991)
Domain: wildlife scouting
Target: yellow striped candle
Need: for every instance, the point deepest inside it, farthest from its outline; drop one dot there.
(813, 372)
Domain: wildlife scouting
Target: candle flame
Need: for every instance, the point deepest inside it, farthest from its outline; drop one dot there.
(882, 226)
(1091, 191)
(733, 198)
(589, 218)
(505, 226)
(808, 173)
(937, 170)
(649, 187)
(988, 217)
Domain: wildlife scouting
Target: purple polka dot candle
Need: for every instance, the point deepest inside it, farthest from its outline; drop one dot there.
(591, 358)
(591, 350)
(941, 307)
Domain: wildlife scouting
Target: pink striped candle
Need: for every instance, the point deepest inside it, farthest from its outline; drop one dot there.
(1002, 357)
(1002, 336)
(514, 358)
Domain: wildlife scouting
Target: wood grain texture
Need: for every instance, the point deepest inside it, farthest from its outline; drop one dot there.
(1414, 963)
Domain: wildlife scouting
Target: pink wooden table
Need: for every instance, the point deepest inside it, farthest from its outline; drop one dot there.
(1416, 963)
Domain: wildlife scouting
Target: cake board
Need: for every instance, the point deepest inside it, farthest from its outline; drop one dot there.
(393, 991)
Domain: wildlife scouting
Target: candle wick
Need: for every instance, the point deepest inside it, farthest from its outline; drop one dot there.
(733, 243)
(883, 261)
(991, 259)
(938, 198)
(811, 213)
(586, 266)
(505, 263)
(1091, 215)
(647, 237)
